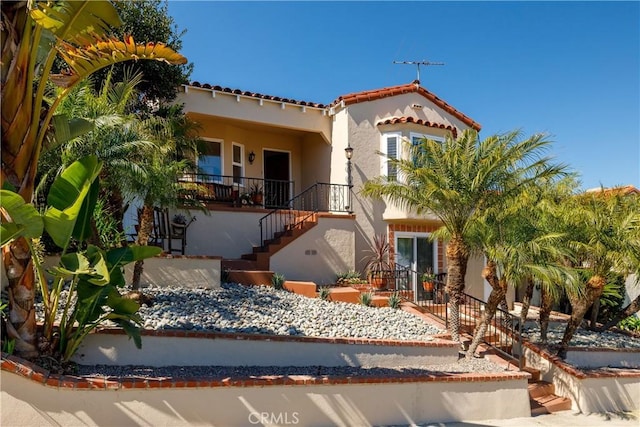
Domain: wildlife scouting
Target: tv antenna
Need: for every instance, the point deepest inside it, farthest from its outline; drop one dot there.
(418, 64)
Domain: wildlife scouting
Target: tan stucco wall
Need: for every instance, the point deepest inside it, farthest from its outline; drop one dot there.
(179, 271)
(25, 403)
(319, 254)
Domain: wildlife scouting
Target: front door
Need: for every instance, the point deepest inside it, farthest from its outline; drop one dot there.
(418, 254)
(277, 175)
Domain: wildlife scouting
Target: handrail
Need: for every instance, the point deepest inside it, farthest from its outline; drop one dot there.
(270, 193)
(320, 197)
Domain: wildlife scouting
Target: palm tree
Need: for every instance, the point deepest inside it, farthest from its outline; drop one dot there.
(606, 240)
(110, 139)
(157, 184)
(34, 34)
(520, 247)
(458, 180)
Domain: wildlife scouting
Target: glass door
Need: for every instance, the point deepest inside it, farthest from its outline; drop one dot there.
(418, 254)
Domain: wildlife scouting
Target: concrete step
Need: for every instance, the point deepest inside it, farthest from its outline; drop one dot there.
(535, 373)
(255, 277)
(540, 388)
(549, 404)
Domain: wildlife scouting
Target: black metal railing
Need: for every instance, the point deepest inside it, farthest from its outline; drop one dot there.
(397, 279)
(504, 332)
(268, 193)
(320, 197)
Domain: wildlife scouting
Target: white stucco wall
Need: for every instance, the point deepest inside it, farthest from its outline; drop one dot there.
(25, 403)
(108, 349)
(319, 254)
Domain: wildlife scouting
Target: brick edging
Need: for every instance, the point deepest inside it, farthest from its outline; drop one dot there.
(32, 372)
(438, 340)
(579, 373)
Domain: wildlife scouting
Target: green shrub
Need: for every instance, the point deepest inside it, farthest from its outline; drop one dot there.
(366, 299)
(395, 300)
(631, 323)
(324, 293)
(277, 281)
(351, 277)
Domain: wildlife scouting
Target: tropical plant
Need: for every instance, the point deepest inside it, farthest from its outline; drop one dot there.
(631, 323)
(277, 281)
(93, 275)
(428, 275)
(605, 238)
(33, 35)
(458, 180)
(378, 259)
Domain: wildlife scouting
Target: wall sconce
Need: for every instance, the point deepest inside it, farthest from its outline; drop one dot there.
(348, 152)
(252, 157)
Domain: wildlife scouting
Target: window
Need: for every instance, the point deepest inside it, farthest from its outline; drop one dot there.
(238, 163)
(210, 160)
(416, 139)
(390, 147)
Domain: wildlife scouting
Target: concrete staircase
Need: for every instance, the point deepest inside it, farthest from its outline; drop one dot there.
(542, 395)
(253, 268)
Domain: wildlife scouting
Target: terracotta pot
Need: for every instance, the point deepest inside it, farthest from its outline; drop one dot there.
(427, 286)
(378, 283)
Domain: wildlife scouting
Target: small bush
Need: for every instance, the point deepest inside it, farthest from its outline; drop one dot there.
(351, 277)
(277, 281)
(631, 323)
(324, 293)
(366, 299)
(395, 300)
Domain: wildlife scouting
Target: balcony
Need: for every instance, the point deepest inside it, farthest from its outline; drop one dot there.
(235, 191)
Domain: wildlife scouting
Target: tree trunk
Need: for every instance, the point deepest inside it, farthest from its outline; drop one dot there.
(579, 306)
(457, 257)
(595, 310)
(526, 301)
(546, 303)
(498, 292)
(629, 310)
(146, 223)
(21, 325)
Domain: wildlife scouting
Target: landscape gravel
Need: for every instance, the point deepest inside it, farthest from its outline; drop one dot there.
(265, 310)
(584, 337)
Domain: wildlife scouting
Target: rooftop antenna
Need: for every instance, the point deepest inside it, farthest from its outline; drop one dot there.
(418, 64)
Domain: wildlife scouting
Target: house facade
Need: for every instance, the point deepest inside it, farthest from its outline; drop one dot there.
(293, 153)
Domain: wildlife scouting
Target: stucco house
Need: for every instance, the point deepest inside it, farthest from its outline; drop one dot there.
(281, 148)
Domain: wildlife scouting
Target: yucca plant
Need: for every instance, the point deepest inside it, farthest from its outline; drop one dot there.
(366, 299)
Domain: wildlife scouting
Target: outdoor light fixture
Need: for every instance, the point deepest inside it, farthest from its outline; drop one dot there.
(348, 152)
(252, 157)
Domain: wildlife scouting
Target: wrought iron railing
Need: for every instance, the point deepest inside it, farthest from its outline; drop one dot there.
(268, 193)
(320, 197)
(504, 332)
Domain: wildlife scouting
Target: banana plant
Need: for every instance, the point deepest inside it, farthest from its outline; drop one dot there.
(93, 276)
(34, 34)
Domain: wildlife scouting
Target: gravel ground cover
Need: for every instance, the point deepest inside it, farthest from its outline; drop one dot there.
(584, 338)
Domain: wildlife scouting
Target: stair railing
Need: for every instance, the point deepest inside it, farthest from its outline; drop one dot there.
(320, 197)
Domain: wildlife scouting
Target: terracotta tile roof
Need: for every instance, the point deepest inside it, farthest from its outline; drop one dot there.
(256, 95)
(623, 190)
(372, 95)
(401, 120)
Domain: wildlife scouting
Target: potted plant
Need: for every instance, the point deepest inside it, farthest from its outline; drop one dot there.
(256, 193)
(178, 224)
(245, 199)
(378, 263)
(428, 278)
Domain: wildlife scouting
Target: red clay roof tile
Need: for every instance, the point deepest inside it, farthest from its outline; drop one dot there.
(400, 120)
(256, 95)
(372, 95)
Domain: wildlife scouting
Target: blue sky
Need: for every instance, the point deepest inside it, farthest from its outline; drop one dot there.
(569, 69)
